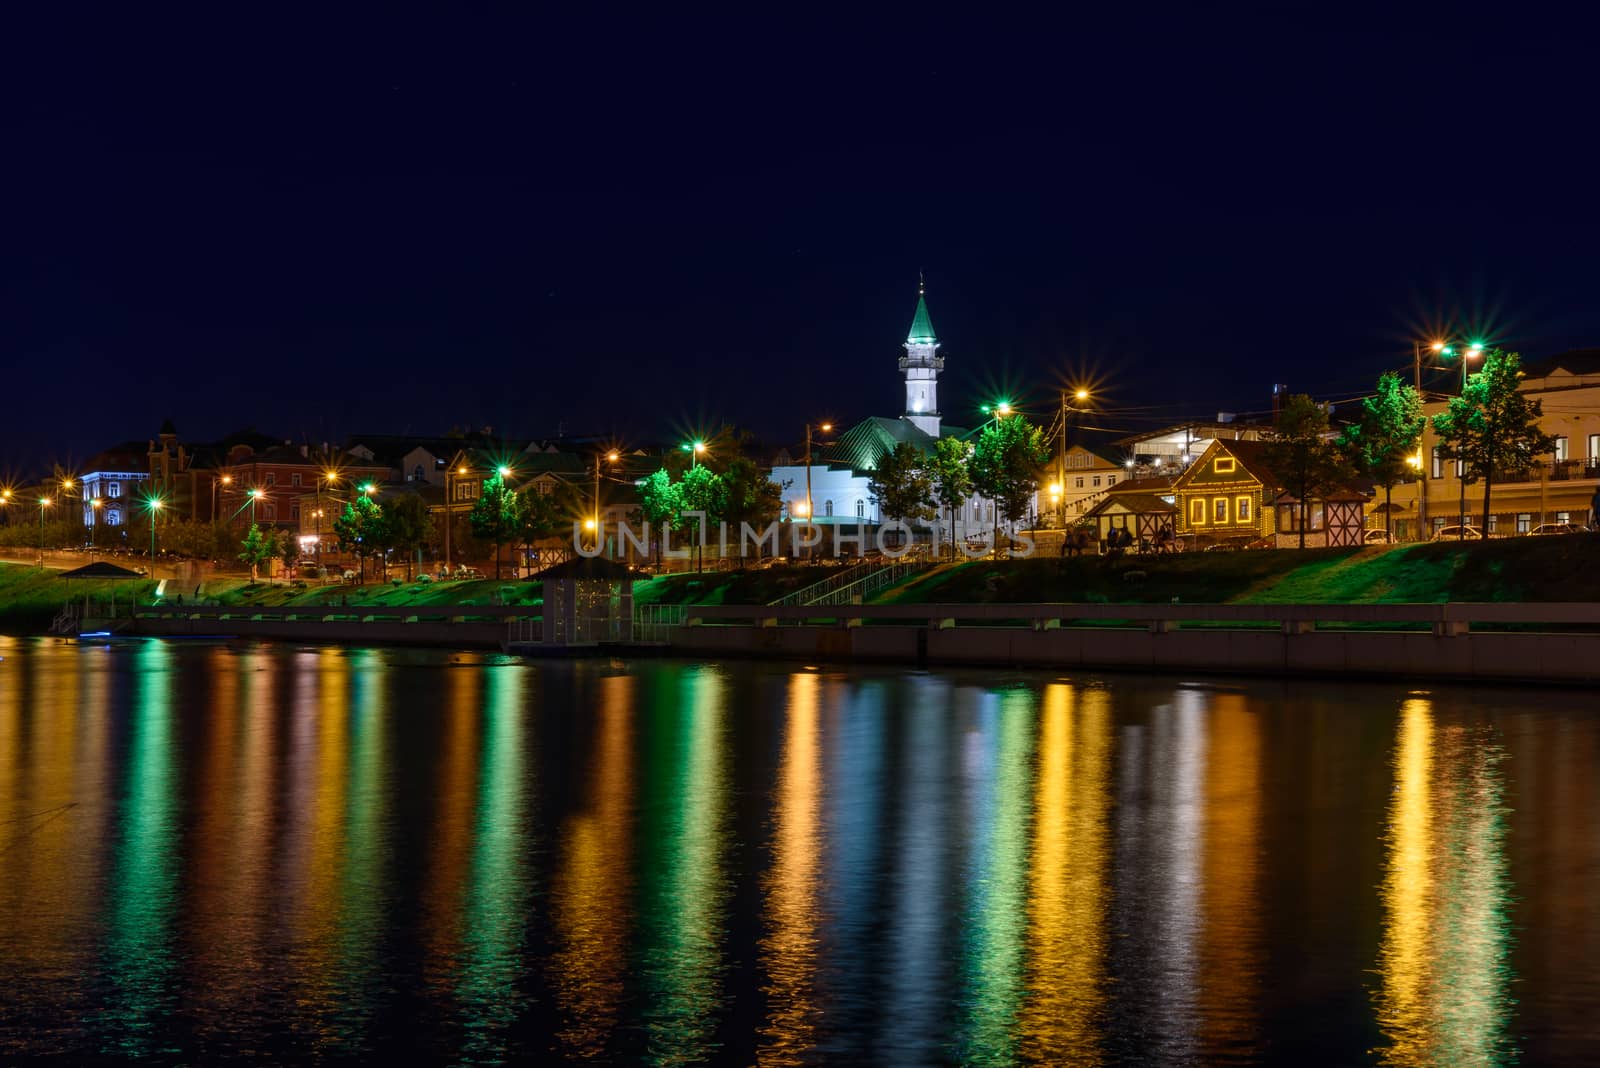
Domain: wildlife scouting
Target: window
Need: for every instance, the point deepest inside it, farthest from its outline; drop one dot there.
(113, 518)
(1594, 448)
(113, 489)
(1241, 509)
(1438, 462)
(1494, 523)
(1563, 517)
(1561, 447)
(861, 508)
(294, 509)
(272, 478)
(1097, 481)
(1197, 511)
(1438, 523)
(1219, 509)
(1079, 482)
(827, 507)
(294, 479)
(1224, 465)
(1524, 522)
(1111, 480)
(272, 512)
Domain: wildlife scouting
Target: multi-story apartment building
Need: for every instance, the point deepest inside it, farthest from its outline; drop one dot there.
(1557, 488)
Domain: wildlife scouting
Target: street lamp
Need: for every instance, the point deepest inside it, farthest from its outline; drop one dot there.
(44, 502)
(1470, 351)
(826, 428)
(594, 524)
(254, 495)
(155, 506)
(449, 508)
(94, 521)
(226, 480)
(694, 449)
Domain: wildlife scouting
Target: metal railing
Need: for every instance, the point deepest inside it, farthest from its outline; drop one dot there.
(1452, 618)
(868, 585)
(810, 594)
(654, 622)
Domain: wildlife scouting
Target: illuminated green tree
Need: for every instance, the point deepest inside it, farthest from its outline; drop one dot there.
(257, 549)
(660, 499)
(703, 491)
(362, 530)
(1383, 443)
(1005, 466)
(1493, 427)
(952, 481)
(496, 517)
(901, 486)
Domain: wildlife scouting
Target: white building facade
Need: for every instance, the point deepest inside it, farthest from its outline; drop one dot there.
(840, 494)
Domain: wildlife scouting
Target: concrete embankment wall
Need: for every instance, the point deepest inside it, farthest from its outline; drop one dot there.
(464, 635)
(1570, 658)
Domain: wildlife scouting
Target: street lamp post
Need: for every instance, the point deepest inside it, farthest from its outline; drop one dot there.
(1471, 352)
(226, 480)
(811, 429)
(1080, 395)
(611, 457)
(94, 521)
(44, 502)
(155, 507)
(255, 495)
(449, 510)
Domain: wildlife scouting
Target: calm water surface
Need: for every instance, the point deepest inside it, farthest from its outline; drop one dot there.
(274, 853)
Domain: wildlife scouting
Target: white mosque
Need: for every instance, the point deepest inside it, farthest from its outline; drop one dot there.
(840, 468)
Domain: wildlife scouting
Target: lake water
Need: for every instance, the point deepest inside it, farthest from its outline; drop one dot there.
(210, 853)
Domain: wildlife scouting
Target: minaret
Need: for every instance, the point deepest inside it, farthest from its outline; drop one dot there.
(922, 365)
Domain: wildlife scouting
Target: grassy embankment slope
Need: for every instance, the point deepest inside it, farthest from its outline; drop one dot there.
(1563, 568)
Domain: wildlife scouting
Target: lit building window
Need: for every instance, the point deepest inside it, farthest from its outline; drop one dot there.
(1524, 522)
(113, 489)
(1561, 447)
(861, 509)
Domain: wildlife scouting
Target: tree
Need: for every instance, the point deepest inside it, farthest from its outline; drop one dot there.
(749, 496)
(1382, 443)
(363, 530)
(1005, 466)
(410, 528)
(901, 486)
(257, 549)
(540, 517)
(1300, 455)
(496, 516)
(287, 548)
(952, 482)
(1492, 427)
(660, 499)
(702, 491)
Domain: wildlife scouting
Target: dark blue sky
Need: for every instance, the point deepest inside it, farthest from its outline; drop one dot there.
(351, 225)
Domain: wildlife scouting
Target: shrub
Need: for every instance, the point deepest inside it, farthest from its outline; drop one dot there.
(424, 579)
(396, 582)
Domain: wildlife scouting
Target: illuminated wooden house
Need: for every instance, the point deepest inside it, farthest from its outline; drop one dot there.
(1221, 496)
(1139, 506)
(1229, 494)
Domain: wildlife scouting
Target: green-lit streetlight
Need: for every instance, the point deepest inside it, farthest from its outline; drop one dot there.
(155, 506)
(694, 449)
(254, 495)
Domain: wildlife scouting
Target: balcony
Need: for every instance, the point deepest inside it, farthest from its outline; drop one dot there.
(1555, 471)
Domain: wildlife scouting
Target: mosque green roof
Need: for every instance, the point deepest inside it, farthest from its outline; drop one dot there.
(921, 325)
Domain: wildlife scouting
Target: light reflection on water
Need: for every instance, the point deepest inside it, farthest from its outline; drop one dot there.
(271, 853)
(1445, 994)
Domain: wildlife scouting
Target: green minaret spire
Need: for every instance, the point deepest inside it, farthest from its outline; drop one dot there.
(921, 325)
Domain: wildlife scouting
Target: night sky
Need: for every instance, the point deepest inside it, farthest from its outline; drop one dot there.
(642, 226)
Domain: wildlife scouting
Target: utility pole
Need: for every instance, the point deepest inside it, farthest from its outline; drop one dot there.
(1061, 465)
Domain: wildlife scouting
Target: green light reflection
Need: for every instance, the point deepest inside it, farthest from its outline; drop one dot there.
(142, 892)
(998, 915)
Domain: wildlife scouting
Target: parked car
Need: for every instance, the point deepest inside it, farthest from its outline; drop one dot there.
(1556, 528)
(1378, 537)
(1456, 532)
